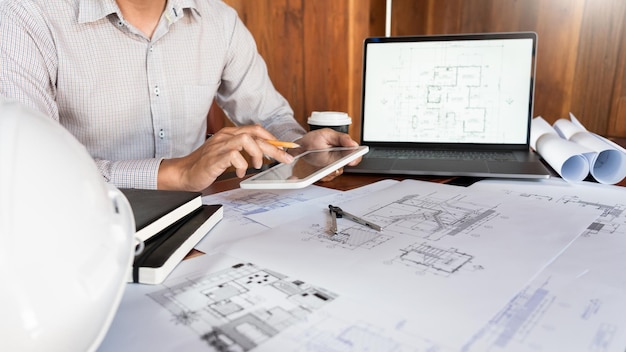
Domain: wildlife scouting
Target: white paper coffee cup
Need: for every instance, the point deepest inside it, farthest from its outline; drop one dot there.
(338, 121)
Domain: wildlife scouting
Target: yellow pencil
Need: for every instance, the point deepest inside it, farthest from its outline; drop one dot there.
(282, 144)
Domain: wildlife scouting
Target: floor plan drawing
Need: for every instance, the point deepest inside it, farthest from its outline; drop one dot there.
(430, 217)
(241, 307)
(427, 258)
(353, 326)
(349, 236)
(444, 92)
(337, 335)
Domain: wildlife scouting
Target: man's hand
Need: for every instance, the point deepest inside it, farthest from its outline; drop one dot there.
(224, 149)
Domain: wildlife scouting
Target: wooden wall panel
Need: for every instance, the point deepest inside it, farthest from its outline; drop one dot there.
(597, 65)
(327, 53)
(617, 122)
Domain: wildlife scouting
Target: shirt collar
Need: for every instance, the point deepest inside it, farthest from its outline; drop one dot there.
(93, 10)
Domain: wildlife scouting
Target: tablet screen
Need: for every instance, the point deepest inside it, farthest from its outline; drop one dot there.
(306, 168)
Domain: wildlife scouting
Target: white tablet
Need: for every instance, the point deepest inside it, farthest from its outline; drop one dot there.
(306, 168)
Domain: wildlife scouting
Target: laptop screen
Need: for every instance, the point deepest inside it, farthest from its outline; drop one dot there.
(468, 89)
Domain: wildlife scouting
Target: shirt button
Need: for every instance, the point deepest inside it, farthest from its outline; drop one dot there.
(156, 90)
(162, 134)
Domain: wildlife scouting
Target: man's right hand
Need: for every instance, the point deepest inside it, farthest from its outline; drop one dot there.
(224, 149)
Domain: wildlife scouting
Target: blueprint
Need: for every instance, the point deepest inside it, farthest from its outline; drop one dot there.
(454, 268)
(448, 253)
(577, 302)
(351, 326)
(217, 303)
(241, 307)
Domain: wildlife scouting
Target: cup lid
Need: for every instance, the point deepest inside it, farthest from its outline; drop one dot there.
(329, 118)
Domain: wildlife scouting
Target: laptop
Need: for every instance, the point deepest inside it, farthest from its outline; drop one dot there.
(449, 105)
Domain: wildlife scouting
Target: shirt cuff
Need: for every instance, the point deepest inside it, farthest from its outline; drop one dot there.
(131, 173)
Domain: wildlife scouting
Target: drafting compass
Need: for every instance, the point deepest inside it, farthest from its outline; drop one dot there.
(336, 212)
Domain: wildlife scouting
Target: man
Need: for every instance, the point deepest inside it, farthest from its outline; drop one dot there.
(133, 80)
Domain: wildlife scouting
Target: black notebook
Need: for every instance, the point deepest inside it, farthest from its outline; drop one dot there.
(166, 249)
(155, 210)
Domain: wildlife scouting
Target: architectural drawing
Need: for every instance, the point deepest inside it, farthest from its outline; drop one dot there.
(241, 307)
(430, 217)
(612, 220)
(459, 100)
(513, 324)
(528, 322)
(349, 236)
(338, 335)
(439, 261)
(576, 303)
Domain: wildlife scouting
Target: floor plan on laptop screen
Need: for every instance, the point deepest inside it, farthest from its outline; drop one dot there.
(473, 91)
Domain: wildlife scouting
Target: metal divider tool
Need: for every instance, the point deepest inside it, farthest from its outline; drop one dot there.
(337, 212)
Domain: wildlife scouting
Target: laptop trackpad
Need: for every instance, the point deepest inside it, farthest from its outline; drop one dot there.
(441, 165)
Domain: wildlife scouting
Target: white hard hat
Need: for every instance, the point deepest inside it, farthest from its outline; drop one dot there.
(66, 238)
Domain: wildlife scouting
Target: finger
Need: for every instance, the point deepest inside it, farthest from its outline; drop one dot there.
(256, 131)
(238, 162)
(239, 142)
(274, 152)
(252, 139)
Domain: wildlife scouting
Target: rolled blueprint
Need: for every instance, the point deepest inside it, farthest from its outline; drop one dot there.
(607, 164)
(565, 157)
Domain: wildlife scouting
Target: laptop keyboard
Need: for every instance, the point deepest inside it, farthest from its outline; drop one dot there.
(441, 154)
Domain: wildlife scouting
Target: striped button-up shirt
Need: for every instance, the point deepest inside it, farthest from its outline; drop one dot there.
(133, 100)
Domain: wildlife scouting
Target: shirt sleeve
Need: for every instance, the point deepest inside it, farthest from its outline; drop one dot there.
(28, 57)
(247, 94)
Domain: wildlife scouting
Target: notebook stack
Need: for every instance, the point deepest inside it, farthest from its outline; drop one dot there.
(170, 223)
